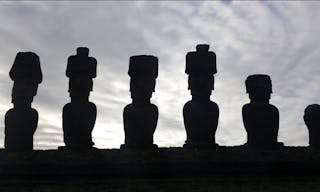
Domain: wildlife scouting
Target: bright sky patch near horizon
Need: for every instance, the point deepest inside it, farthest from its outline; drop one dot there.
(280, 39)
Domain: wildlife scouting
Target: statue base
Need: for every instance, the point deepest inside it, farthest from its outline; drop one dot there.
(76, 148)
(200, 146)
(276, 145)
(139, 147)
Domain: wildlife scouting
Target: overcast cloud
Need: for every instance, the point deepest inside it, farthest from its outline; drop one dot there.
(276, 38)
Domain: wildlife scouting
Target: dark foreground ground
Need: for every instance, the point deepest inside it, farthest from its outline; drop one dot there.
(303, 184)
(166, 169)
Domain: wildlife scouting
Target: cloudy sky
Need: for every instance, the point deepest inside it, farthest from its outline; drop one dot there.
(281, 39)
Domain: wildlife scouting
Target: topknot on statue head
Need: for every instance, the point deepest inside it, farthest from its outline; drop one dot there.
(143, 66)
(258, 82)
(26, 67)
(83, 51)
(81, 65)
(201, 62)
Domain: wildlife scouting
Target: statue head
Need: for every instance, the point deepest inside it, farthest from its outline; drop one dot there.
(312, 115)
(259, 87)
(83, 51)
(23, 93)
(79, 89)
(312, 120)
(201, 85)
(26, 74)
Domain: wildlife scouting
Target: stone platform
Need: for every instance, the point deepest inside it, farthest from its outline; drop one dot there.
(166, 168)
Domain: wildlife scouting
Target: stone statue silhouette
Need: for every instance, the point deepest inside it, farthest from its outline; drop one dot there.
(260, 118)
(200, 114)
(22, 120)
(140, 117)
(312, 120)
(79, 115)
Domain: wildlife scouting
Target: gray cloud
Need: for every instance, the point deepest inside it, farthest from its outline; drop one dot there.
(275, 38)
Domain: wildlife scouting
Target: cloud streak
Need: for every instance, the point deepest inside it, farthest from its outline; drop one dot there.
(275, 38)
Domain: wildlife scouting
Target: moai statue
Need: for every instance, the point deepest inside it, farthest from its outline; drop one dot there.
(22, 120)
(312, 120)
(140, 117)
(201, 114)
(261, 119)
(79, 115)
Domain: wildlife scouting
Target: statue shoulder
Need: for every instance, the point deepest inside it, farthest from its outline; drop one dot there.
(214, 105)
(92, 106)
(67, 106)
(274, 108)
(128, 107)
(154, 107)
(187, 105)
(34, 112)
(9, 112)
(246, 107)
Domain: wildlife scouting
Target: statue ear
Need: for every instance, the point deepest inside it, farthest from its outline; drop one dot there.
(153, 85)
(212, 82)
